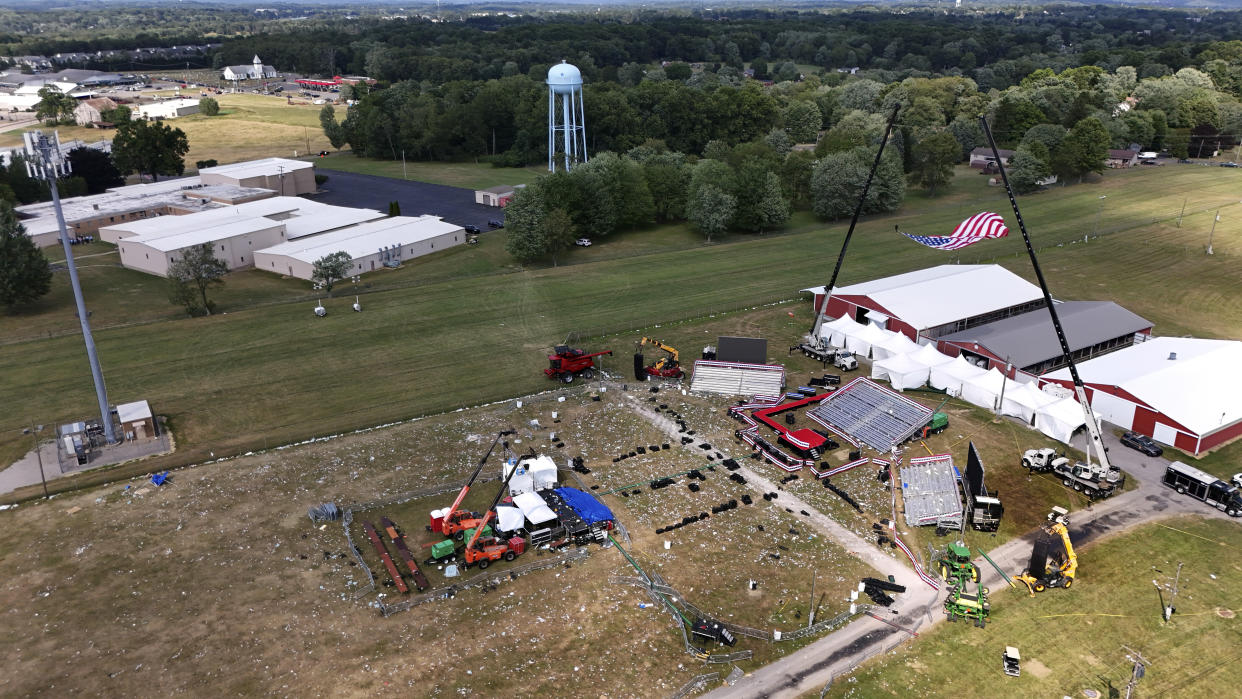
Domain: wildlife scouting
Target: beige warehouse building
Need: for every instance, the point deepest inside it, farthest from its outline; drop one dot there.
(301, 217)
(286, 177)
(371, 246)
(235, 243)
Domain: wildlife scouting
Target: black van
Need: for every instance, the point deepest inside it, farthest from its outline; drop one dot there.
(1189, 480)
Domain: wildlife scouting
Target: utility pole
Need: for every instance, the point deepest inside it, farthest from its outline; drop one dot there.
(1213, 231)
(1168, 611)
(1183, 212)
(1140, 669)
(1098, 213)
(45, 161)
(405, 175)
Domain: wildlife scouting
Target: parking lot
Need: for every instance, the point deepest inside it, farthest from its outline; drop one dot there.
(453, 204)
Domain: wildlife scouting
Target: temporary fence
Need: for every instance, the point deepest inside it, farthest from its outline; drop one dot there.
(695, 684)
(900, 636)
(347, 520)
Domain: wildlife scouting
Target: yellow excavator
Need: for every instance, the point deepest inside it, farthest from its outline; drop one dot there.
(1040, 574)
(667, 367)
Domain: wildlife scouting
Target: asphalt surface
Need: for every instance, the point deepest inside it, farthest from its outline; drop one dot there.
(453, 204)
(808, 669)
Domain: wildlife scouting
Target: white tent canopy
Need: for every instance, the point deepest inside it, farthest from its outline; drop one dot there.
(1024, 400)
(509, 518)
(901, 371)
(836, 331)
(521, 483)
(896, 344)
(929, 356)
(543, 471)
(984, 390)
(860, 341)
(950, 376)
(534, 508)
(1059, 419)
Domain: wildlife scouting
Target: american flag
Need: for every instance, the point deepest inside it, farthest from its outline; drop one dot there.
(972, 230)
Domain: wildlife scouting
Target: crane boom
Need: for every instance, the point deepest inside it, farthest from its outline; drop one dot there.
(466, 488)
(674, 354)
(1093, 427)
(491, 509)
(823, 309)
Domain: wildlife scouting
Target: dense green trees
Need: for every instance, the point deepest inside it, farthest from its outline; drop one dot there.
(96, 169)
(24, 272)
(837, 181)
(934, 158)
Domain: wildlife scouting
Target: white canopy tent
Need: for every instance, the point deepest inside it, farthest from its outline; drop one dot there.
(900, 371)
(860, 341)
(509, 518)
(929, 356)
(521, 483)
(1024, 400)
(1059, 419)
(534, 508)
(543, 471)
(950, 376)
(984, 390)
(836, 331)
(896, 344)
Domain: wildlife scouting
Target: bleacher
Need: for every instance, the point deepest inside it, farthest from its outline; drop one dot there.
(736, 378)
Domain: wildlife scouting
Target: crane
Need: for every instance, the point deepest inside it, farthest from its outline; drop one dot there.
(666, 367)
(453, 520)
(1105, 469)
(494, 548)
(1039, 575)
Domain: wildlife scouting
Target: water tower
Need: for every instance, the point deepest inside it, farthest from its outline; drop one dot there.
(565, 81)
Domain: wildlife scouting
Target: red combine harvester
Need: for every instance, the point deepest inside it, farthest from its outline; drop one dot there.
(454, 521)
(567, 363)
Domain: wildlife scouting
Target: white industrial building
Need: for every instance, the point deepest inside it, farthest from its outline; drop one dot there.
(168, 109)
(284, 176)
(373, 245)
(236, 233)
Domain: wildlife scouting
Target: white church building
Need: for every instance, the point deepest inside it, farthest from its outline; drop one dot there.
(255, 71)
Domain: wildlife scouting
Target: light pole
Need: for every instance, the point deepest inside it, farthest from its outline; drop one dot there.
(45, 161)
(1212, 232)
(34, 431)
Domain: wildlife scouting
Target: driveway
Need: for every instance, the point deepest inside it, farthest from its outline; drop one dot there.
(453, 204)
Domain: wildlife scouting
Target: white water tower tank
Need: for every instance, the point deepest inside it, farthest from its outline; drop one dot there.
(569, 122)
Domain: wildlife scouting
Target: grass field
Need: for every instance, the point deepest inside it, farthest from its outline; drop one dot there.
(1073, 640)
(269, 372)
(248, 127)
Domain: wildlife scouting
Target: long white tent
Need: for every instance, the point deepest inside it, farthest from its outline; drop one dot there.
(950, 376)
(861, 340)
(897, 343)
(1024, 400)
(984, 390)
(1059, 419)
(901, 371)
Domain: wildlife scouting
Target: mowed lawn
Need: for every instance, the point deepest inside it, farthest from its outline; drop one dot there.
(269, 372)
(248, 127)
(1072, 640)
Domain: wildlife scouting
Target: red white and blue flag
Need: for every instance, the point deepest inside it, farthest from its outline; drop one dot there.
(972, 230)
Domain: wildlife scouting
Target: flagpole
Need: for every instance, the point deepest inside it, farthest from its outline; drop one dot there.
(823, 309)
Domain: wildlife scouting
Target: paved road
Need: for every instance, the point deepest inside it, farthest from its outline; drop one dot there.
(808, 669)
(454, 204)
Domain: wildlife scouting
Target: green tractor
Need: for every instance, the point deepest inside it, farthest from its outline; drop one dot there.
(955, 566)
(961, 604)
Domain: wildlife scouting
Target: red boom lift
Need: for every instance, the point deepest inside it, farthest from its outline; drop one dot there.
(455, 521)
(485, 550)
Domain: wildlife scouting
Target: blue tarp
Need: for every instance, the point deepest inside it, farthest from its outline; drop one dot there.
(585, 504)
(159, 478)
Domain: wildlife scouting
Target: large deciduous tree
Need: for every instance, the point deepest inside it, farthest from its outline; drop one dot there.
(96, 168)
(54, 106)
(24, 272)
(934, 157)
(330, 269)
(150, 148)
(208, 106)
(1027, 171)
(1082, 150)
(710, 209)
(525, 237)
(837, 181)
(191, 276)
(332, 128)
(803, 121)
(559, 233)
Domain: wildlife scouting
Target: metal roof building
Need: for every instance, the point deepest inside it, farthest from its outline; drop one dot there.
(370, 246)
(936, 301)
(1029, 343)
(1179, 391)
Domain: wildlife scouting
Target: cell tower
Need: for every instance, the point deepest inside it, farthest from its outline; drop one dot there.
(565, 81)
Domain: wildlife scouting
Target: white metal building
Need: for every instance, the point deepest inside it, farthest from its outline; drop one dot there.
(371, 246)
(234, 242)
(168, 109)
(286, 177)
(301, 217)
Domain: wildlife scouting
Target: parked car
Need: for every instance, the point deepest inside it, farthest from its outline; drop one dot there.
(1183, 161)
(471, 228)
(1142, 443)
(495, 223)
(1229, 164)
(584, 242)
(323, 153)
